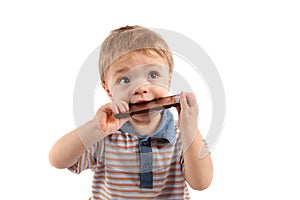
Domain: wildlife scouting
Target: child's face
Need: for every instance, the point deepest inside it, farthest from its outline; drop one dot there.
(138, 78)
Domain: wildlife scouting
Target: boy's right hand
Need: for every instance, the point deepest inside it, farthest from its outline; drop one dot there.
(105, 116)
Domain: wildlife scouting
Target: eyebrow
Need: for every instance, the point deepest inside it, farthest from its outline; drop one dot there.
(119, 71)
(155, 65)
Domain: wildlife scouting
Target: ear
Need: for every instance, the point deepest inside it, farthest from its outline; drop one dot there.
(107, 91)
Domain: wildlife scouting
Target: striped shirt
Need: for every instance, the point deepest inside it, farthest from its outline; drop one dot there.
(128, 165)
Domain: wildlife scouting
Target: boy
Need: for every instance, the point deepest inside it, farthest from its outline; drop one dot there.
(145, 156)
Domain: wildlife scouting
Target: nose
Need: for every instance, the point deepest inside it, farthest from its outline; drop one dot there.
(141, 86)
(141, 90)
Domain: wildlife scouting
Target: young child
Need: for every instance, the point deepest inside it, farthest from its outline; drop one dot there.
(145, 156)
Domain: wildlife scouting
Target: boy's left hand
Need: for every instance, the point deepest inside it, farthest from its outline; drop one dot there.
(188, 116)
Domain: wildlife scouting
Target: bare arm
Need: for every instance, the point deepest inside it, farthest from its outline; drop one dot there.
(198, 170)
(66, 151)
(197, 160)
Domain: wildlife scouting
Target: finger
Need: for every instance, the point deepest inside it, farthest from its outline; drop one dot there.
(183, 102)
(114, 108)
(125, 106)
(119, 106)
(191, 100)
(122, 107)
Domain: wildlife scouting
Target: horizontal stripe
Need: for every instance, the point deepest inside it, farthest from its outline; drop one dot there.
(135, 165)
(135, 143)
(115, 162)
(107, 153)
(100, 179)
(141, 195)
(161, 160)
(134, 150)
(138, 191)
(169, 185)
(115, 197)
(172, 171)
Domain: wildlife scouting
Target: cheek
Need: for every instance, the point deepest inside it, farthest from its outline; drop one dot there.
(163, 84)
(161, 90)
(120, 93)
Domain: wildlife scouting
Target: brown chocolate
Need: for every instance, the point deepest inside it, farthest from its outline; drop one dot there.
(149, 106)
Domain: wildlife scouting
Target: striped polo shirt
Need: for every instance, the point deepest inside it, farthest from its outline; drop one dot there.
(128, 165)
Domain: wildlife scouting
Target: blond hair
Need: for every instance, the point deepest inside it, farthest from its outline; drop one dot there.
(131, 39)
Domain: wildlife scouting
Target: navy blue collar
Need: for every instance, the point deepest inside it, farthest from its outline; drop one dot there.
(165, 130)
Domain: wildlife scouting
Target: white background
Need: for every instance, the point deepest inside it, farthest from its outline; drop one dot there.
(254, 45)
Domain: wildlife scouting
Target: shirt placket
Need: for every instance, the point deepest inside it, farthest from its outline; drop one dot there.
(146, 159)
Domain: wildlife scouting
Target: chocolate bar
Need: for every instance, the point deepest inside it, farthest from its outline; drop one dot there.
(149, 106)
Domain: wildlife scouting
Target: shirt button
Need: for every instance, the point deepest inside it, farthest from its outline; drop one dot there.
(146, 167)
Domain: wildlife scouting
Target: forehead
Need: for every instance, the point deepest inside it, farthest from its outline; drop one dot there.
(131, 61)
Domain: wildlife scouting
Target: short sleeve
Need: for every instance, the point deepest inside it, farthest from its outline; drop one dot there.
(88, 160)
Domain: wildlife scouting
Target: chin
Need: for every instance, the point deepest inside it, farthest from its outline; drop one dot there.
(141, 119)
(145, 118)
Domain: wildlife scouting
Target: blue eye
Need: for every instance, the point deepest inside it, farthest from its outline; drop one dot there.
(153, 75)
(124, 81)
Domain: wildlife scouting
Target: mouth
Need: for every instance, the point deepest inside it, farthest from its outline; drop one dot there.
(142, 101)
